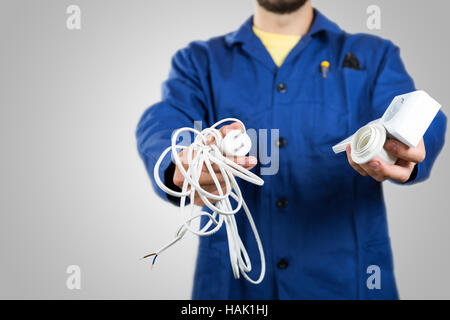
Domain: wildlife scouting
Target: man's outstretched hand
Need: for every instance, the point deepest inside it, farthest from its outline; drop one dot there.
(399, 172)
(206, 181)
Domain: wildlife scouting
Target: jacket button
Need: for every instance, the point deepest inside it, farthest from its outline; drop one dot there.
(282, 264)
(281, 203)
(281, 143)
(281, 87)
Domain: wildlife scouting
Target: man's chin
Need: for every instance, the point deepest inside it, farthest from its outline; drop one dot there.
(282, 6)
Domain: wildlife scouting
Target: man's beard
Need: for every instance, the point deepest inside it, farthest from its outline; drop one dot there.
(281, 6)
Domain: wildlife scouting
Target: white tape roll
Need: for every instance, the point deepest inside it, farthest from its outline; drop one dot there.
(368, 143)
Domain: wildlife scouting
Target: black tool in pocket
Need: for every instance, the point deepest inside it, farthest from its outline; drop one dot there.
(351, 61)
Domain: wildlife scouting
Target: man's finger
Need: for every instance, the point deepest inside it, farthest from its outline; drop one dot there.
(183, 155)
(212, 188)
(402, 151)
(234, 126)
(373, 169)
(214, 166)
(396, 172)
(246, 162)
(380, 170)
(206, 179)
(353, 164)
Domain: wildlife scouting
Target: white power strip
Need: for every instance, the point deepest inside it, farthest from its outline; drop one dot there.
(406, 119)
(199, 153)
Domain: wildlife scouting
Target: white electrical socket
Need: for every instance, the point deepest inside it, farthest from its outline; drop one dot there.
(236, 143)
(406, 119)
(409, 116)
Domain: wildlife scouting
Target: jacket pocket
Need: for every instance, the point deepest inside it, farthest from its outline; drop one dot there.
(377, 265)
(343, 96)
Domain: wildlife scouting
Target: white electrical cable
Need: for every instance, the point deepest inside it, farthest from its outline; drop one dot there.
(200, 153)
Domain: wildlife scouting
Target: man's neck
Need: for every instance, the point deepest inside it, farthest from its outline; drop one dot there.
(297, 22)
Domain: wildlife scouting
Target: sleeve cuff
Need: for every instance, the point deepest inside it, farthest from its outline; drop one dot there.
(413, 175)
(418, 174)
(168, 181)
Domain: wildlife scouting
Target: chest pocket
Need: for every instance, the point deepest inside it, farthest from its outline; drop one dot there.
(326, 116)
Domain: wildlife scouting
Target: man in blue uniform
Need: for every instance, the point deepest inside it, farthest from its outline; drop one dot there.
(321, 217)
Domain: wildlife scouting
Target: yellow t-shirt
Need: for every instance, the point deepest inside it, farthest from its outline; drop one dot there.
(278, 45)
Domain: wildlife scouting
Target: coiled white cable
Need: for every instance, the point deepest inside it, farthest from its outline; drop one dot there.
(223, 212)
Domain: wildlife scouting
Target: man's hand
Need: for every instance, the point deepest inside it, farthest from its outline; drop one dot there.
(401, 171)
(206, 181)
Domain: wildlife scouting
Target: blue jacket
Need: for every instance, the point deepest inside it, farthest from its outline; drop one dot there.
(321, 223)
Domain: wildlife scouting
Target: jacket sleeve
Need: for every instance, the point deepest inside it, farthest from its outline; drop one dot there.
(183, 102)
(391, 80)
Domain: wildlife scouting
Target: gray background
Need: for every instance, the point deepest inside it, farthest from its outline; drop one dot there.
(73, 189)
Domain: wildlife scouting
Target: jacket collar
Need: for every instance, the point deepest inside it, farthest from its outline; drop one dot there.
(245, 32)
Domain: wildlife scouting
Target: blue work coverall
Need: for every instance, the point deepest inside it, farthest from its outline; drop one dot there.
(321, 224)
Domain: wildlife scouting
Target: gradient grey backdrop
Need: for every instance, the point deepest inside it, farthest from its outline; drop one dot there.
(73, 189)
